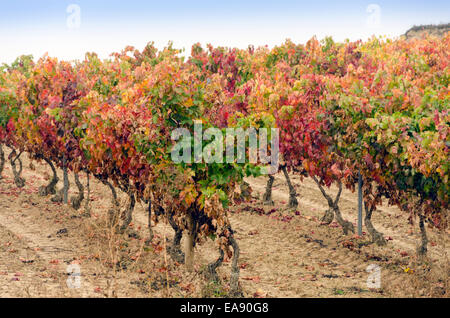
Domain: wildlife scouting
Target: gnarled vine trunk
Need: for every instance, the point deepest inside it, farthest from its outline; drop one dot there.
(211, 269)
(333, 204)
(128, 213)
(293, 203)
(377, 237)
(51, 187)
(150, 229)
(114, 210)
(175, 250)
(189, 244)
(235, 290)
(328, 217)
(62, 194)
(66, 182)
(59, 196)
(267, 198)
(87, 209)
(423, 249)
(18, 180)
(76, 200)
(2, 160)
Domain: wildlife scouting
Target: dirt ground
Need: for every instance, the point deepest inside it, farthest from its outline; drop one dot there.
(284, 253)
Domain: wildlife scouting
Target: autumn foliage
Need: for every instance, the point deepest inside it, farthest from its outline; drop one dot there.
(379, 107)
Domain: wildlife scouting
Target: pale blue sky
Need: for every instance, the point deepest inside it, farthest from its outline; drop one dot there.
(36, 27)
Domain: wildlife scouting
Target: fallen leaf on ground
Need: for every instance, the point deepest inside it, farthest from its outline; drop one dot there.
(243, 265)
(259, 293)
(255, 279)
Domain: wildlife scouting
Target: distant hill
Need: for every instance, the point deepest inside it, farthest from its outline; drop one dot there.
(438, 30)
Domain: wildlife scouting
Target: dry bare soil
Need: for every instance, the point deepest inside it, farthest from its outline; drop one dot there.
(284, 253)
